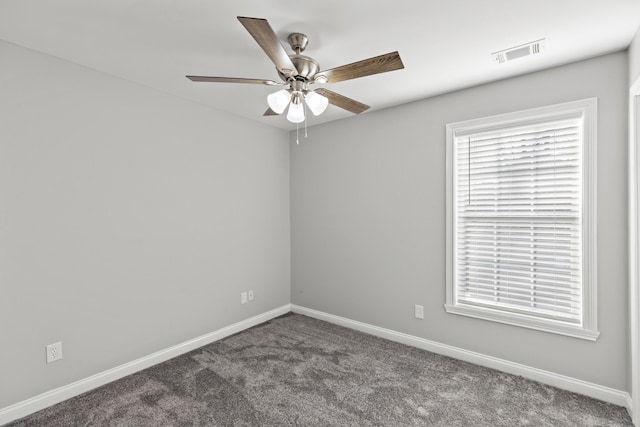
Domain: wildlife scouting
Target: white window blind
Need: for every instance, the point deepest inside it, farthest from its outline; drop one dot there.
(519, 219)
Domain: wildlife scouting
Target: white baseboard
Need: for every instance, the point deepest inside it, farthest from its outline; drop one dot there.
(606, 394)
(44, 400)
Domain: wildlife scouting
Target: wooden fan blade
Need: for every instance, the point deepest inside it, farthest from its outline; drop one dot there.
(230, 80)
(270, 112)
(342, 101)
(366, 67)
(264, 35)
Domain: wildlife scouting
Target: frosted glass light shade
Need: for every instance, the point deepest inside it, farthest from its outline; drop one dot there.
(279, 100)
(296, 113)
(316, 102)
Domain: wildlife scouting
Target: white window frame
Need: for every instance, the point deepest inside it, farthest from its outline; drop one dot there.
(634, 245)
(586, 109)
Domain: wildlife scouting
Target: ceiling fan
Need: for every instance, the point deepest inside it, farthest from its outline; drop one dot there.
(298, 72)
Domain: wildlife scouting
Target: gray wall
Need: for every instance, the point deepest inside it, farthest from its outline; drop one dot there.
(130, 221)
(368, 219)
(634, 59)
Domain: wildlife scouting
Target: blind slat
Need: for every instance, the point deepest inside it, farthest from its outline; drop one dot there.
(541, 299)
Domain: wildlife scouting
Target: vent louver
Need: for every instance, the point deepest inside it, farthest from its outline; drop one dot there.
(519, 51)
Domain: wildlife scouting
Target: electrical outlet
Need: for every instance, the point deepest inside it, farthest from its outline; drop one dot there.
(250, 295)
(54, 352)
(243, 298)
(419, 311)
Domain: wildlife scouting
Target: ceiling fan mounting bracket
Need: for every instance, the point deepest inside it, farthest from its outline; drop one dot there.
(298, 42)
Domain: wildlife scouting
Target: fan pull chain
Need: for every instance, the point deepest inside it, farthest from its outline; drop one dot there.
(297, 133)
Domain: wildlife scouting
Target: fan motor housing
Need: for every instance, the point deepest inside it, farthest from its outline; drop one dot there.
(307, 67)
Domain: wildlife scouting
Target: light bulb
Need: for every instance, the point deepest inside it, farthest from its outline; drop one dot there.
(296, 112)
(316, 102)
(279, 100)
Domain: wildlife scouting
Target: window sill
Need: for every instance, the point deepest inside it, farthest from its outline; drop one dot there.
(523, 321)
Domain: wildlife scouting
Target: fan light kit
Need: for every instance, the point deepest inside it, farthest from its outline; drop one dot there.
(298, 72)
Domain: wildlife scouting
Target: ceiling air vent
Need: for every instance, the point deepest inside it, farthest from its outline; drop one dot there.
(516, 52)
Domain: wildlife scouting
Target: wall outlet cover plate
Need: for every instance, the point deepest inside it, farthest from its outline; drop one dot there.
(54, 352)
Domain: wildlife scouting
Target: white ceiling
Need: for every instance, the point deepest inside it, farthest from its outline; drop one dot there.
(445, 44)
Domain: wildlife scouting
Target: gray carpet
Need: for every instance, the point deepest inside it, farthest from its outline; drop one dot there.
(298, 371)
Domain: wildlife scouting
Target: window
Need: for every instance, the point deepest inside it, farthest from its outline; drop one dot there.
(521, 219)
